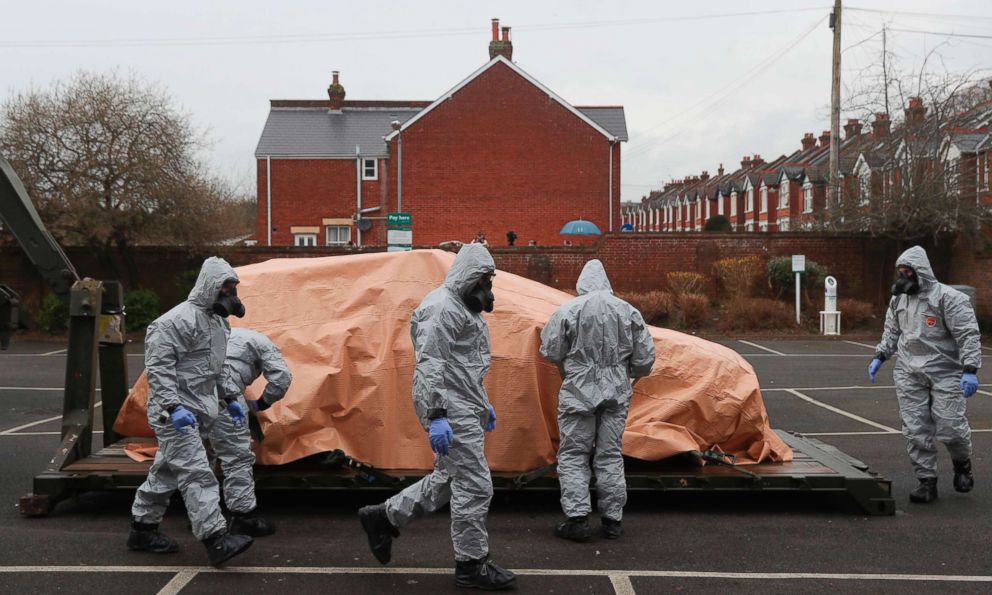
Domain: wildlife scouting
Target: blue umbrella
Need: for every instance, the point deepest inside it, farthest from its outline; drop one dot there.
(580, 228)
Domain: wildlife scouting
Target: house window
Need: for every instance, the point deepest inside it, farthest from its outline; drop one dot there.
(338, 235)
(864, 188)
(783, 225)
(985, 178)
(733, 204)
(764, 199)
(304, 239)
(783, 195)
(370, 169)
(707, 208)
(808, 198)
(749, 201)
(719, 204)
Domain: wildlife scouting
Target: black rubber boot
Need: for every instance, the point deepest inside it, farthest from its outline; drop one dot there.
(611, 529)
(574, 528)
(926, 492)
(251, 523)
(379, 530)
(964, 481)
(223, 546)
(146, 538)
(483, 574)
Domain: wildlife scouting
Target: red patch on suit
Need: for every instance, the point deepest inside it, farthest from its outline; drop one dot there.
(931, 321)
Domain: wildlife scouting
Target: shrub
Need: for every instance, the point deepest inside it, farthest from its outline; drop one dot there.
(755, 314)
(782, 280)
(693, 308)
(141, 307)
(54, 315)
(855, 313)
(738, 275)
(654, 306)
(683, 282)
(185, 282)
(718, 223)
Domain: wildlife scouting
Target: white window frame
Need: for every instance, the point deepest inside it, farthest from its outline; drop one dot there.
(783, 224)
(733, 204)
(864, 188)
(783, 194)
(808, 197)
(305, 240)
(707, 207)
(720, 199)
(985, 178)
(327, 235)
(764, 199)
(749, 201)
(366, 175)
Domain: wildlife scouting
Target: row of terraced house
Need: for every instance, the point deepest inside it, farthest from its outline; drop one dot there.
(789, 193)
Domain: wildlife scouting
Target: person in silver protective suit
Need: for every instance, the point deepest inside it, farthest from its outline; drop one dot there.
(184, 357)
(599, 343)
(250, 354)
(451, 341)
(933, 330)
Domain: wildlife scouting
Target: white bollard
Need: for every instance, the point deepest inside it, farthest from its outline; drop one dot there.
(829, 316)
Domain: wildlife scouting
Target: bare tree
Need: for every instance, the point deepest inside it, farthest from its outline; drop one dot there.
(111, 162)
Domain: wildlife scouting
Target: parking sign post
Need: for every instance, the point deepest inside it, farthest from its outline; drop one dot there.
(798, 267)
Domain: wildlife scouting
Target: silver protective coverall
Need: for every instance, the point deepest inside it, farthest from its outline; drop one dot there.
(249, 354)
(452, 359)
(599, 343)
(935, 334)
(184, 357)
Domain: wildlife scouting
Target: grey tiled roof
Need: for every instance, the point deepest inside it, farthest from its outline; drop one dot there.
(304, 131)
(315, 131)
(968, 143)
(612, 119)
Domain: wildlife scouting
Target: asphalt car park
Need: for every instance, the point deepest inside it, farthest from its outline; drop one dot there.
(743, 543)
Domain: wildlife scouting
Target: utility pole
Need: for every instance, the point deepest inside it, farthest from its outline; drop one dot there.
(835, 109)
(885, 70)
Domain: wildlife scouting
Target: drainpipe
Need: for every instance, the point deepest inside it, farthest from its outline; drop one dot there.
(268, 196)
(358, 194)
(611, 185)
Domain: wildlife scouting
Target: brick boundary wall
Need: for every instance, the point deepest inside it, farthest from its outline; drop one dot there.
(634, 262)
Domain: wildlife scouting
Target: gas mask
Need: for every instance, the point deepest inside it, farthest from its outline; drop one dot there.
(905, 284)
(481, 297)
(228, 304)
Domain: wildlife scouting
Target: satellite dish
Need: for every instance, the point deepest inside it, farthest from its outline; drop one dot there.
(364, 224)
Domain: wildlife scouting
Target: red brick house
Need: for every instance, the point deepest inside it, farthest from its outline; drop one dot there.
(497, 152)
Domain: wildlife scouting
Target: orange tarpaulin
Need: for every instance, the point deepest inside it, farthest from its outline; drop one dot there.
(343, 324)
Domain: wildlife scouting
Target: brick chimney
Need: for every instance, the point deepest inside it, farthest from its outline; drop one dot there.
(852, 128)
(809, 141)
(825, 139)
(704, 176)
(719, 170)
(915, 112)
(335, 92)
(500, 47)
(756, 160)
(745, 162)
(880, 127)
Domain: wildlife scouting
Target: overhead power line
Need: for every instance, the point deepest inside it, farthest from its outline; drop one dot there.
(291, 38)
(929, 15)
(942, 33)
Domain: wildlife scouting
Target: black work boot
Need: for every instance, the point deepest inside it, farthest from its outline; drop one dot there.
(483, 574)
(379, 530)
(251, 523)
(146, 538)
(611, 529)
(575, 528)
(222, 546)
(926, 492)
(963, 479)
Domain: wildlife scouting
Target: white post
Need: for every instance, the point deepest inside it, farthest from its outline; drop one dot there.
(797, 297)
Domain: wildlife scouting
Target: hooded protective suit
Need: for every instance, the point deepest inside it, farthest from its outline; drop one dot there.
(599, 343)
(249, 354)
(935, 334)
(452, 350)
(184, 357)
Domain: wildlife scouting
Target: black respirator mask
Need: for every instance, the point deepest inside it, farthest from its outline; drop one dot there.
(229, 304)
(481, 297)
(907, 285)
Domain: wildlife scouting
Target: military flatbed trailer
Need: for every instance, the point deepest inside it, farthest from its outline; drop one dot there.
(817, 468)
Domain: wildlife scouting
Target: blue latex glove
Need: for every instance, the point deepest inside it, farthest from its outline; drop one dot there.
(969, 384)
(440, 435)
(491, 424)
(873, 369)
(237, 414)
(181, 419)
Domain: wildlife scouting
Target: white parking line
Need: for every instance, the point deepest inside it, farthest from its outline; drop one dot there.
(182, 578)
(954, 578)
(985, 392)
(869, 422)
(35, 388)
(13, 431)
(872, 347)
(621, 584)
(763, 348)
(973, 431)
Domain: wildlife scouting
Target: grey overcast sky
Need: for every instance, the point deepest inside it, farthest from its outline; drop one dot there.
(697, 91)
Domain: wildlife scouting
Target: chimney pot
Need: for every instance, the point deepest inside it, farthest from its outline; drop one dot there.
(506, 34)
(852, 128)
(880, 127)
(495, 29)
(719, 170)
(500, 47)
(825, 138)
(915, 112)
(808, 141)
